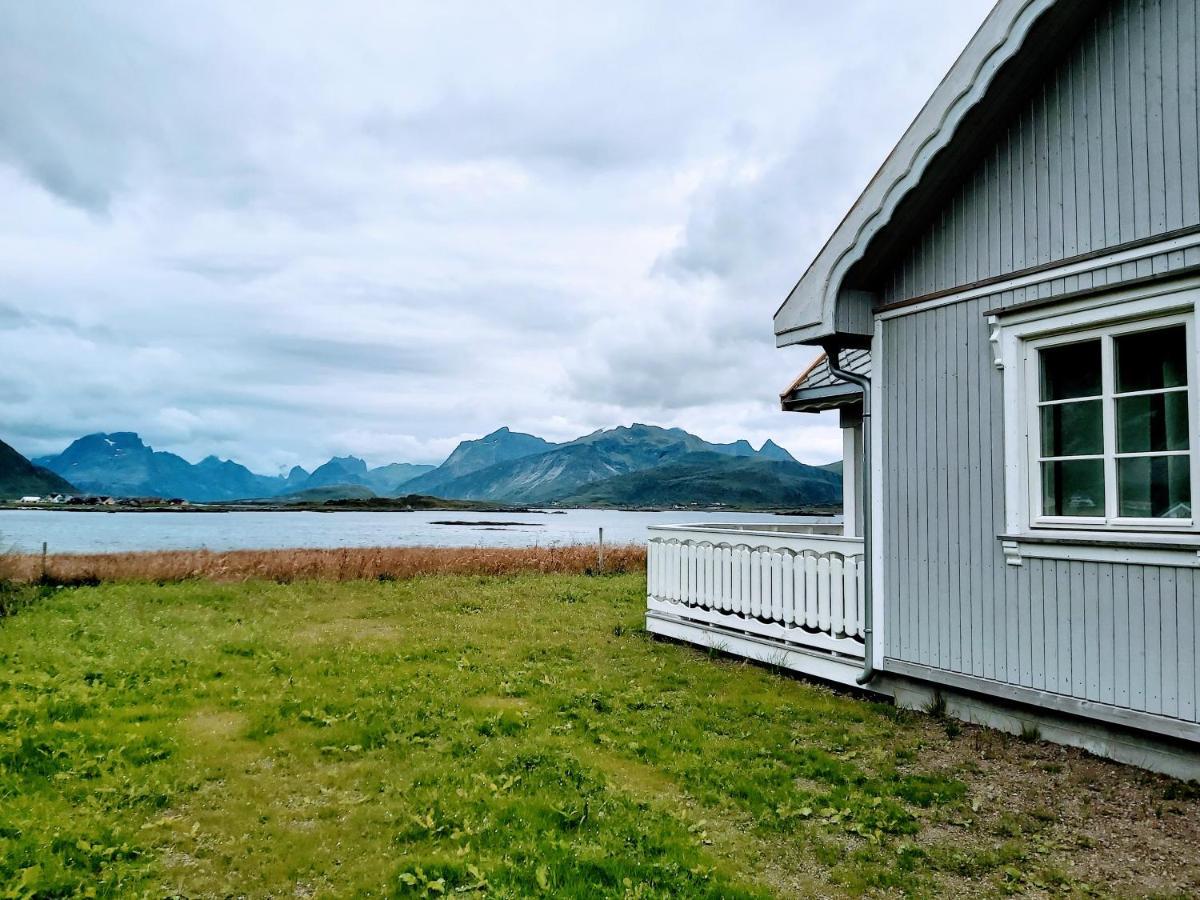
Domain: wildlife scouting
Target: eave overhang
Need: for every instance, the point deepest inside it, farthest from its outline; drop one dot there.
(809, 314)
(817, 389)
(822, 399)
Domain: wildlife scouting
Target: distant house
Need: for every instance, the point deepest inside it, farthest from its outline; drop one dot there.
(31, 499)
(91, 500)
(1008, 320)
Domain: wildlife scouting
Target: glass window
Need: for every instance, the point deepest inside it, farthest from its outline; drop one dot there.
(1073, 487)
(1071, 370)
(1155, 487)
(1073, 429)
(1114, 426)
(1150, 422)
(1150, 360)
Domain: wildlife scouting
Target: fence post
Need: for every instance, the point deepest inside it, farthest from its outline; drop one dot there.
(601, 553)
(44, 561)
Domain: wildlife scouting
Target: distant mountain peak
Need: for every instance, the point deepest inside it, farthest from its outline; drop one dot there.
(771, 450)
(349, 463)
(339, 470)
(640, 428)
(111, 442)
(121, 464)
(501, 445)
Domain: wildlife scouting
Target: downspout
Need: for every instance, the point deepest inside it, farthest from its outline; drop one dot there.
(868, 671)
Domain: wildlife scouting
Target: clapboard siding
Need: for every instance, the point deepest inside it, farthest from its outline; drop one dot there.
(1124, 635)
(1106, 151)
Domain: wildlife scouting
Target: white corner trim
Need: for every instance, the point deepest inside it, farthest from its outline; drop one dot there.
(878, 583)
(1016, 439)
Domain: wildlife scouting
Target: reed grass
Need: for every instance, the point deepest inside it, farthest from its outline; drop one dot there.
(347, 564)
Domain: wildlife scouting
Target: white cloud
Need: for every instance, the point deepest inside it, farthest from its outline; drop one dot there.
(285, 230)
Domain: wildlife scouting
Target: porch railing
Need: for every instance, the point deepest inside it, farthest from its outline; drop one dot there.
(790, 583)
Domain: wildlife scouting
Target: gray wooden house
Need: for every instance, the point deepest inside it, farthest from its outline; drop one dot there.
(1008, 319)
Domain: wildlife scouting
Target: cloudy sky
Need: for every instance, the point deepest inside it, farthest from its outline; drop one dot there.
(281, 231)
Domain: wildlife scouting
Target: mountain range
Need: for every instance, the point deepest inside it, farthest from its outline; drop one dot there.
(510, 467)
(121, 464)
(740, 482)
(637, 465)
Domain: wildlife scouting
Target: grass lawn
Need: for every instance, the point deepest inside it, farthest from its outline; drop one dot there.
(515, 736)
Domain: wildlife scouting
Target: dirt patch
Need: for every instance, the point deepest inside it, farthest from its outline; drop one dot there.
(638, 779)
(214, 725)
(1094, 824)
(349, 631)
(492, 704)
(174, 859)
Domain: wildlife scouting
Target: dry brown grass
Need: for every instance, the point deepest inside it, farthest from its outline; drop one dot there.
(328, 565)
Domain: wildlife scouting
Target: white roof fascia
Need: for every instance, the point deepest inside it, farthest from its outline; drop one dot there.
(807, 315)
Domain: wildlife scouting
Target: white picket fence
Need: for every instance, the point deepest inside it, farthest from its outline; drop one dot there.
(794, 587)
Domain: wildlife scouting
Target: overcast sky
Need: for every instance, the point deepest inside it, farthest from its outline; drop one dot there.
(283, 231)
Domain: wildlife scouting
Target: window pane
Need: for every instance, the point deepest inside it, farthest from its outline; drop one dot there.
(1152, 422)
(1073, 429)
(1072, 370)
(1155, 487)
(1074, 488)
(1147, 360)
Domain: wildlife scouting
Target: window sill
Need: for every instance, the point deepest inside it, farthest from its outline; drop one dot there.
(1136, 548)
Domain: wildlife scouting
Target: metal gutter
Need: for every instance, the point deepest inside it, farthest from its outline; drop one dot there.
(832, 351)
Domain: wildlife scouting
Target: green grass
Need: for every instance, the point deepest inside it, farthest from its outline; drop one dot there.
(515, 736)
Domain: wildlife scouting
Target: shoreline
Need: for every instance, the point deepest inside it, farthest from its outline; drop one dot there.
(333, 507)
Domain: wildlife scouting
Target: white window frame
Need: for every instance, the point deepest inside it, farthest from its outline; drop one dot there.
(1017, 341)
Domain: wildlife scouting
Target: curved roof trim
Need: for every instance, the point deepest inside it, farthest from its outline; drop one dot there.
(807, 315)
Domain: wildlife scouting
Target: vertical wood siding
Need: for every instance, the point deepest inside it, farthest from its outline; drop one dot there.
(1125, 635)
(1106, 151)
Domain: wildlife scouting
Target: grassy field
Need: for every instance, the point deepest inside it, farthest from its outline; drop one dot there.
(514, 736)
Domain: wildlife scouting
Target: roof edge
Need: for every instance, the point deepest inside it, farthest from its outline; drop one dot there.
(807, 315)
(803, 376)
(821, 399)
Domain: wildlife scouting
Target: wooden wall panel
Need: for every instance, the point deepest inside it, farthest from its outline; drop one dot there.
(1106, 151)
(1121, 634)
